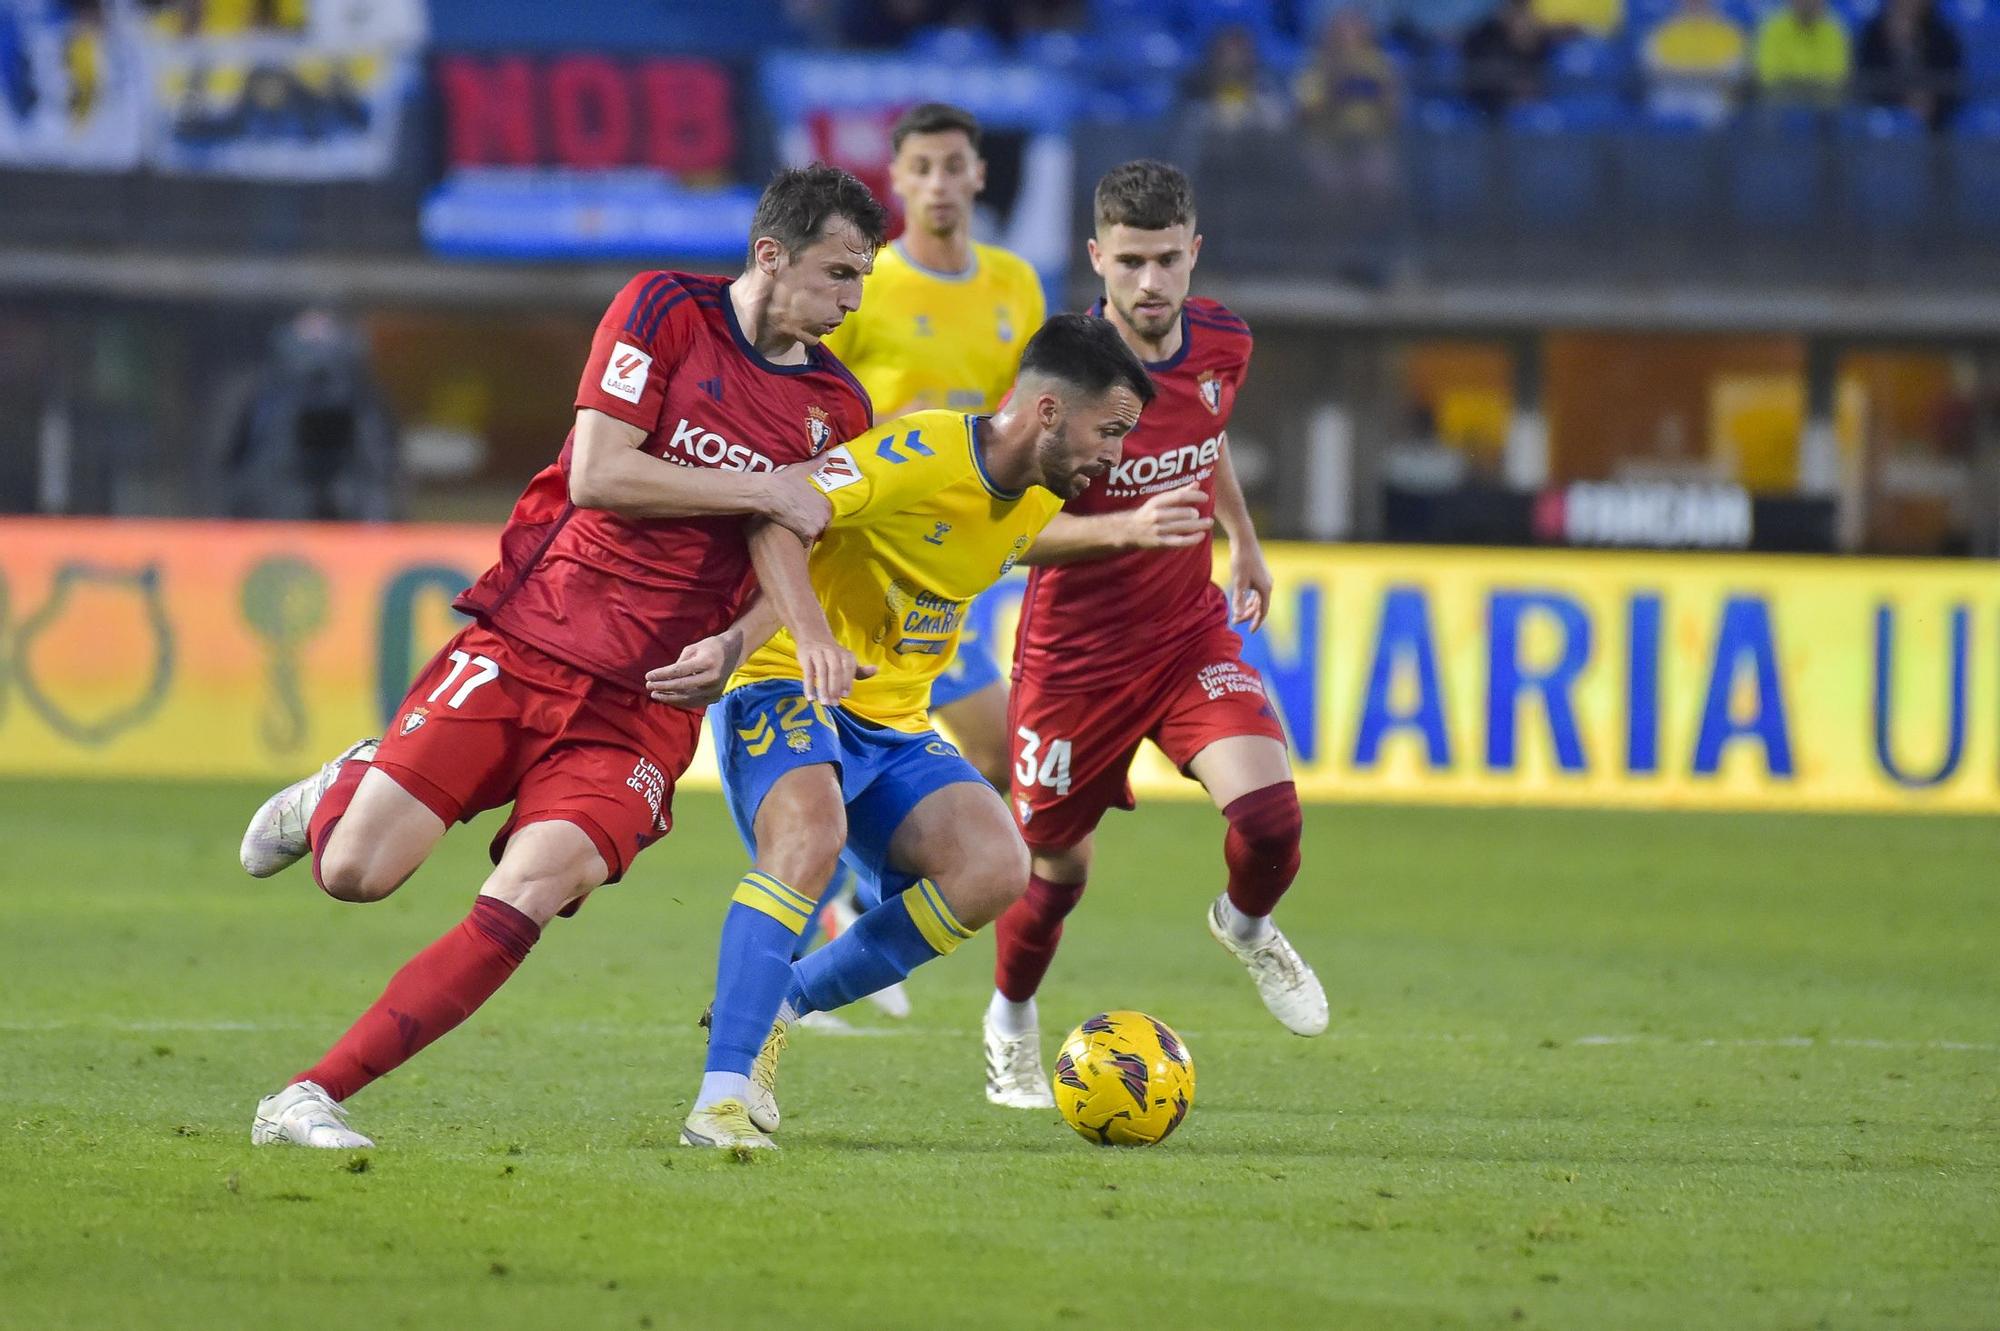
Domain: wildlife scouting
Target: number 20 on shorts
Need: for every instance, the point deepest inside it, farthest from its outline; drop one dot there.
(1052, 771)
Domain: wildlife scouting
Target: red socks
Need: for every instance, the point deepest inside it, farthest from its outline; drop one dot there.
(1262, 848)
(331, 806)
(1026, 936)
(436, 990)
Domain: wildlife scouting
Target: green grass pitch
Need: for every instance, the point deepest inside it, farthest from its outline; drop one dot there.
(1586, 1070)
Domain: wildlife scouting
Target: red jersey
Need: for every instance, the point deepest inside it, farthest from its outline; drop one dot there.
(1097, 620)
(614, 596)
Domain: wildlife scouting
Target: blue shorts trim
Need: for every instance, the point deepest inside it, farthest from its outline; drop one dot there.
(767, 729)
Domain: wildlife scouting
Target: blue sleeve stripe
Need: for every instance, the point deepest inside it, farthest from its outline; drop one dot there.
(654, 319)
(647, 294)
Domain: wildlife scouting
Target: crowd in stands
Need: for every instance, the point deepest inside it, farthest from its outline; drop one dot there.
(1349, 70)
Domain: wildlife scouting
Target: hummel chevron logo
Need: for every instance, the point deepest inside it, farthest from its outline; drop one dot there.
(913, 441)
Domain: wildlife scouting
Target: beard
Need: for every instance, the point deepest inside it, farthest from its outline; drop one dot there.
(1059, 475)
(1148, 324)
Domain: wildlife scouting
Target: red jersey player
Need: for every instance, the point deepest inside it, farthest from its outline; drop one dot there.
(635, 544)
(1152, 621)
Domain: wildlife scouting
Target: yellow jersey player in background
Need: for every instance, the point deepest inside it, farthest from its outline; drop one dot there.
(942, 322)
(927, 512)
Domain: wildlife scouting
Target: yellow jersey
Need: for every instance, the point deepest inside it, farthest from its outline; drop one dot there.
(926, 341)
(918, 530)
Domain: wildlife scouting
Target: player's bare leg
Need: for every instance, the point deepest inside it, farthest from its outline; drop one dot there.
(969, 864)
(1028, 936)
(800, 828)
(977, 724)
(545, 866)
(370, 849)
(1250, 779)
(962, 838)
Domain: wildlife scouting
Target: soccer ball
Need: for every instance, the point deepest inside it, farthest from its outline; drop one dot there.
(1124, 1079)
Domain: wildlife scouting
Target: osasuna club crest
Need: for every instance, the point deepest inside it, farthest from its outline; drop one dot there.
(819, 432)
(1211, 392)
(416, 718)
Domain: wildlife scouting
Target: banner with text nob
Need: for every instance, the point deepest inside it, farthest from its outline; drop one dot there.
(592, 155)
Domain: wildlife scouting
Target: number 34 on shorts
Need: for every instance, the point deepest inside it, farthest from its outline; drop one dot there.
(1042, 762)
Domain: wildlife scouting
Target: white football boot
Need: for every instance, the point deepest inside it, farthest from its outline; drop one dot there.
(1014, 1076)
(724, 1125)
(838, 916)
(1286, 984)
(276, 837)
(304, 1115)
(763, 1100)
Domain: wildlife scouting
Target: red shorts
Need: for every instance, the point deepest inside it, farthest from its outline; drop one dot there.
(492, 720)
(1079, 746)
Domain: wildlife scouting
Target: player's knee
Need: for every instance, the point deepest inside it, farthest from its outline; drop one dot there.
(805, 857)
(979, 891)
(1063, 864)
(1269, 822)
(539, 893)
(349, 872)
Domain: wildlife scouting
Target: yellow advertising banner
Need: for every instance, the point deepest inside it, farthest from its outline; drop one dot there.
(1403, 674)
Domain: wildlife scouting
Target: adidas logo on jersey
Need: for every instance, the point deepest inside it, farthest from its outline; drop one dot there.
(695, 445)
(1185, 460)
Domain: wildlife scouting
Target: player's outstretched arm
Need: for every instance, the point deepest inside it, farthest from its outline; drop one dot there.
(1250, 580)
(701, 674)
(1166, 520)
(826, 668)
(608, 471)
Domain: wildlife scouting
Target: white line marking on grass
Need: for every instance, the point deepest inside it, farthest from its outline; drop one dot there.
(139, 1027)
(1794, 1042)
(586, 1028)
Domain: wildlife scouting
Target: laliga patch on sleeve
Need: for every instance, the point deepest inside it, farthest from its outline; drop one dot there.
(835, 470)
(625, 374)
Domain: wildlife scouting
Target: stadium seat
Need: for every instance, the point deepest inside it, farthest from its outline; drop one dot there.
(1206, 16)
(956, 45)
(1980, 36)
(1058, 52)
(1591, 64)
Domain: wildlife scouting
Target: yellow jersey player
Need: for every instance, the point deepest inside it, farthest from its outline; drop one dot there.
(928, 511)
(941, 326)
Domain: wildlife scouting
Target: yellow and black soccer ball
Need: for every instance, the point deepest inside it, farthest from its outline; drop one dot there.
(1124, 1079)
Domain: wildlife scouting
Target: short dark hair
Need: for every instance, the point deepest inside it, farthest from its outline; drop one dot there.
(1146, 195)
(800, 201)
(1086, 352)
(934, 118)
